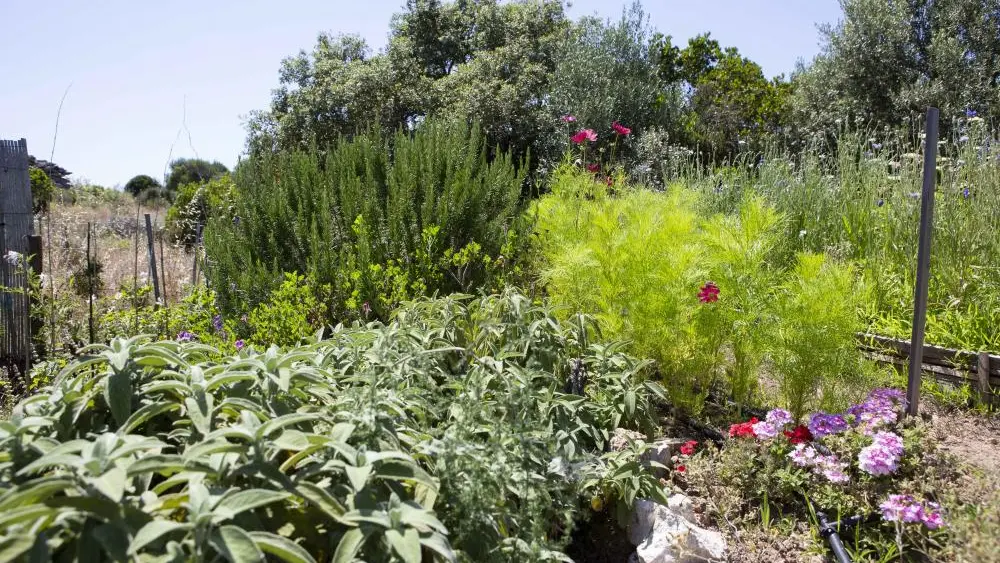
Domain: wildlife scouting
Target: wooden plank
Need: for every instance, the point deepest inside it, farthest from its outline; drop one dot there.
(935, 355)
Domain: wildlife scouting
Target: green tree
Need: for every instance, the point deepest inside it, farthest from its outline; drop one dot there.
(610, 71)
(42, 189)
(194, 204)
(141, 183)
(477, 60)
(887, 61)
(192, 171)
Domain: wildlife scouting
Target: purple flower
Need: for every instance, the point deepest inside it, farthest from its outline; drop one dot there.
(882, 456)
(891, 442)
(803, 455)
(966, 193)
(240, 344)
(893, 507)
(904, 508)
(779, 418)
(971, 113)
(822, 424)
(185, 336)
(217, 322)
(930, 515)
(880, 202)
(877, 146)
(764, 430)
(963, 139)
(568, 118)
(832, 468)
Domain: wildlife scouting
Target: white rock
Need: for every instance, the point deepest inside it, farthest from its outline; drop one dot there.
(661, 452)
(668, 534)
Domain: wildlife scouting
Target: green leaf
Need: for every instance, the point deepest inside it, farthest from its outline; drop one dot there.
(322, 500)
(153, 531)
(113, 539)
(241, 501)
(162, 464)
(404, 471)
(281, 547)
(407, 544)
(438, 543)
(369, 516)
(358, 476)
(13, 547)
(275, 423)
(200, 413)
(118, 394)
(348, 546)
(630, 402)
(100, 508)
(50, 460)
(145, 413)
(111, 483)
(34, 491)
(415, 516)
(235, 545)
(24, 513)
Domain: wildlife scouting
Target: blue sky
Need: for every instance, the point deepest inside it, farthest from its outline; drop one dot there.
(134, 66)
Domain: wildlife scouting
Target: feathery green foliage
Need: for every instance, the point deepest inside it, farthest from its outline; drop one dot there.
(377, 221)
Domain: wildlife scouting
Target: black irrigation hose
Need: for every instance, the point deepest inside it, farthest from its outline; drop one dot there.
(831, 531)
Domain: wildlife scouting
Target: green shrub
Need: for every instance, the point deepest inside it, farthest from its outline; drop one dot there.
(816, 354)
(293, 312)
(444, 435)
(42, 189)
(378, 222)
(194, 204)
(634, 261)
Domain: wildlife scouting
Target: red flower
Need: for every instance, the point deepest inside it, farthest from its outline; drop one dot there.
(709, 293)
(594, 168)
(681, 469)
(609, 181)
(799, 435)
(584, 135)
(744, 429)
(688, 447)
(621, 129)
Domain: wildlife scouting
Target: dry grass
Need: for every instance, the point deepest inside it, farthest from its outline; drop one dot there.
(113, 245)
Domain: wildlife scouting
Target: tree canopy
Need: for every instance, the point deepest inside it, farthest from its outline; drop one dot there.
(886, 61)
(192, 171)
(141, 183)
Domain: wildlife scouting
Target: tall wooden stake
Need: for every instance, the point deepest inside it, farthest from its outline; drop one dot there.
(152, 260)
(923, 262)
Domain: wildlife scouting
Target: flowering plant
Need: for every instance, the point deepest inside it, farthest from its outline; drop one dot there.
(867, 461)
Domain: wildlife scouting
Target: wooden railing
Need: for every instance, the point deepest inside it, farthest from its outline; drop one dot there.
(979, 370)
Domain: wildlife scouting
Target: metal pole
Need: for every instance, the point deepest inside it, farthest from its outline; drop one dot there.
(923, 262)
(152, 260)
(90, 288)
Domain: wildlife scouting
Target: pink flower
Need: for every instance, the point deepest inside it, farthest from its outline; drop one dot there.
(568, 118)
(584, 135)
(621, 129)
(709, 293)
(688, 447)
(595, 168)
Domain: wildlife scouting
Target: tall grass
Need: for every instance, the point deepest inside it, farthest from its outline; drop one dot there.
(862, 202)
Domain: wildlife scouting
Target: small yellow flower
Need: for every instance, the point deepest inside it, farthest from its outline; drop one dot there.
(597, 503)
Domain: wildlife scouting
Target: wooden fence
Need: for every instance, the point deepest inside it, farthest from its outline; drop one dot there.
(15, 229)
(979, 370)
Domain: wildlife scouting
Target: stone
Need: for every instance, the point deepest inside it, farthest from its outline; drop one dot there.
(621, 438)
(669, 534)
(661, 451)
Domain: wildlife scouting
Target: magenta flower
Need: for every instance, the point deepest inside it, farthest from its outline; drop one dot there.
(621, 129)
(803, 455)
(882, 456)
(568, 118)
(595, 168)
(709, 293)
(584, 135)
(904, 508)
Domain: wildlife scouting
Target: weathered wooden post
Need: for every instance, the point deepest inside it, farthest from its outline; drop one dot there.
(152, 260)
(983, 378)
(923, 262)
